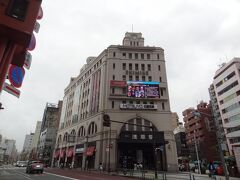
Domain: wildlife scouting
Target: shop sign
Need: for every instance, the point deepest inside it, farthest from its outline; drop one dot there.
(118, 83)
(138, 106)
(79, 150)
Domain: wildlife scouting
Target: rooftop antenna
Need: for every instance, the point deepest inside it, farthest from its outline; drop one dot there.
(132, 27)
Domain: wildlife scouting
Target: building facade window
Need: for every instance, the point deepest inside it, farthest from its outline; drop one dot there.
(149, 67)
(143, 78)
(124, 66)
(112, 104)
(137, 78)
(113, 77)
(113, 65)
(149, 78)
(148, 56)
(136, 55)
(124, 77)
(130, 66)
(136, 67)
(159, 67)
(142, 56)
(130, 78)
(235, 83)
(163, 106)
(130, 55)
(143, 67)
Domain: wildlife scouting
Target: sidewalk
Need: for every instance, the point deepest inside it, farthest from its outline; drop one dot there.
(149, 175)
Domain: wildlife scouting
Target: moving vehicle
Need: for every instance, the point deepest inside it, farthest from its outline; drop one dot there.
(34, 166)
(21, 163)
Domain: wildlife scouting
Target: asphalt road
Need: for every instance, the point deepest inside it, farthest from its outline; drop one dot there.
(16, 173)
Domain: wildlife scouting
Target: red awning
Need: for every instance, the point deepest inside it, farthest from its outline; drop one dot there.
(90, 151)
(70, 152)
(57, 153)
(62, 153)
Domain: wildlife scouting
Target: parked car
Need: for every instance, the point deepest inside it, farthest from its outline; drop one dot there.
(34, 166)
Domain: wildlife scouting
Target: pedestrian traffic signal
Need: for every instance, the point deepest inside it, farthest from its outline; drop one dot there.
(106, 120)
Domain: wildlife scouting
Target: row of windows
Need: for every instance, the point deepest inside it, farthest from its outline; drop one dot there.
(137, 78)
(231, 108)
(229, 130)
(235, 83)
(234, 140)
(136, 67)
(225, 79)
(136, 55)
(232, 118)
(230, 97)
(96, 65)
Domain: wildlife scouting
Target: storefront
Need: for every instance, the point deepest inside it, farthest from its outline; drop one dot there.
(56, 157)
(62, 157)
(79, 155)
(90, 155)
(70, 155)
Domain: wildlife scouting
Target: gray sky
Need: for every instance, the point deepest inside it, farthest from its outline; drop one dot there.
(197, 36)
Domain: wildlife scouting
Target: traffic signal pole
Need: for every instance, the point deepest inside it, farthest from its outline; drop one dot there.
(109, 153)
(7, 50)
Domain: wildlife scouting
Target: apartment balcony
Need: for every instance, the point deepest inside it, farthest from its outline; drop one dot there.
(233, 134)
(231, 124)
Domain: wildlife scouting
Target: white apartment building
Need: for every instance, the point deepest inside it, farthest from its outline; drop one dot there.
(227, 88)
(36, 135)
(27, 143)
(129, 83)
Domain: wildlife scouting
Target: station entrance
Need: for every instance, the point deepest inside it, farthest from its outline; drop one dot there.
(141, 145)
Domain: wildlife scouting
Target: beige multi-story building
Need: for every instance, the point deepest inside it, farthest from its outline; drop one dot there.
(129, 83)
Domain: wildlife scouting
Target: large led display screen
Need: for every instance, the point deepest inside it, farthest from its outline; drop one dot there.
(143, 89)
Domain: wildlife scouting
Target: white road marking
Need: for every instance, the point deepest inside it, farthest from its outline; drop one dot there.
(60, 176)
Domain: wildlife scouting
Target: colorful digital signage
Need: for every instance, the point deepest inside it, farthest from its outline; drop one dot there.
(143, 89)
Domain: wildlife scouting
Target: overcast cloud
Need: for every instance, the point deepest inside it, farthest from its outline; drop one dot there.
(197, 36)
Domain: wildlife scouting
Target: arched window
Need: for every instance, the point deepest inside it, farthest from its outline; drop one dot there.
(72, 136)
(65, 137)
(59, 140)
(81, 131)
(92, 129)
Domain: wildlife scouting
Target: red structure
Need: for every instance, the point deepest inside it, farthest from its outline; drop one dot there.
(17, 22)
(200, 128)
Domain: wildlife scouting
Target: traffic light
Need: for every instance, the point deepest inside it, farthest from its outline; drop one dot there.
(106, 120)
(1, 106)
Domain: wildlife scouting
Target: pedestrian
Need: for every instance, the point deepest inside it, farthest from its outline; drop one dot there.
(211, 169)
(100, 167)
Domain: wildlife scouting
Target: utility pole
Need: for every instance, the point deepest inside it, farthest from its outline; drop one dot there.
(196, 149)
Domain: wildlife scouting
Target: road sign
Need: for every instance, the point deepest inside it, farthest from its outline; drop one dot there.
(36, 27)
(32, 43)
(11, 90)
(28, 60)
(40, 13)
(15, 75)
